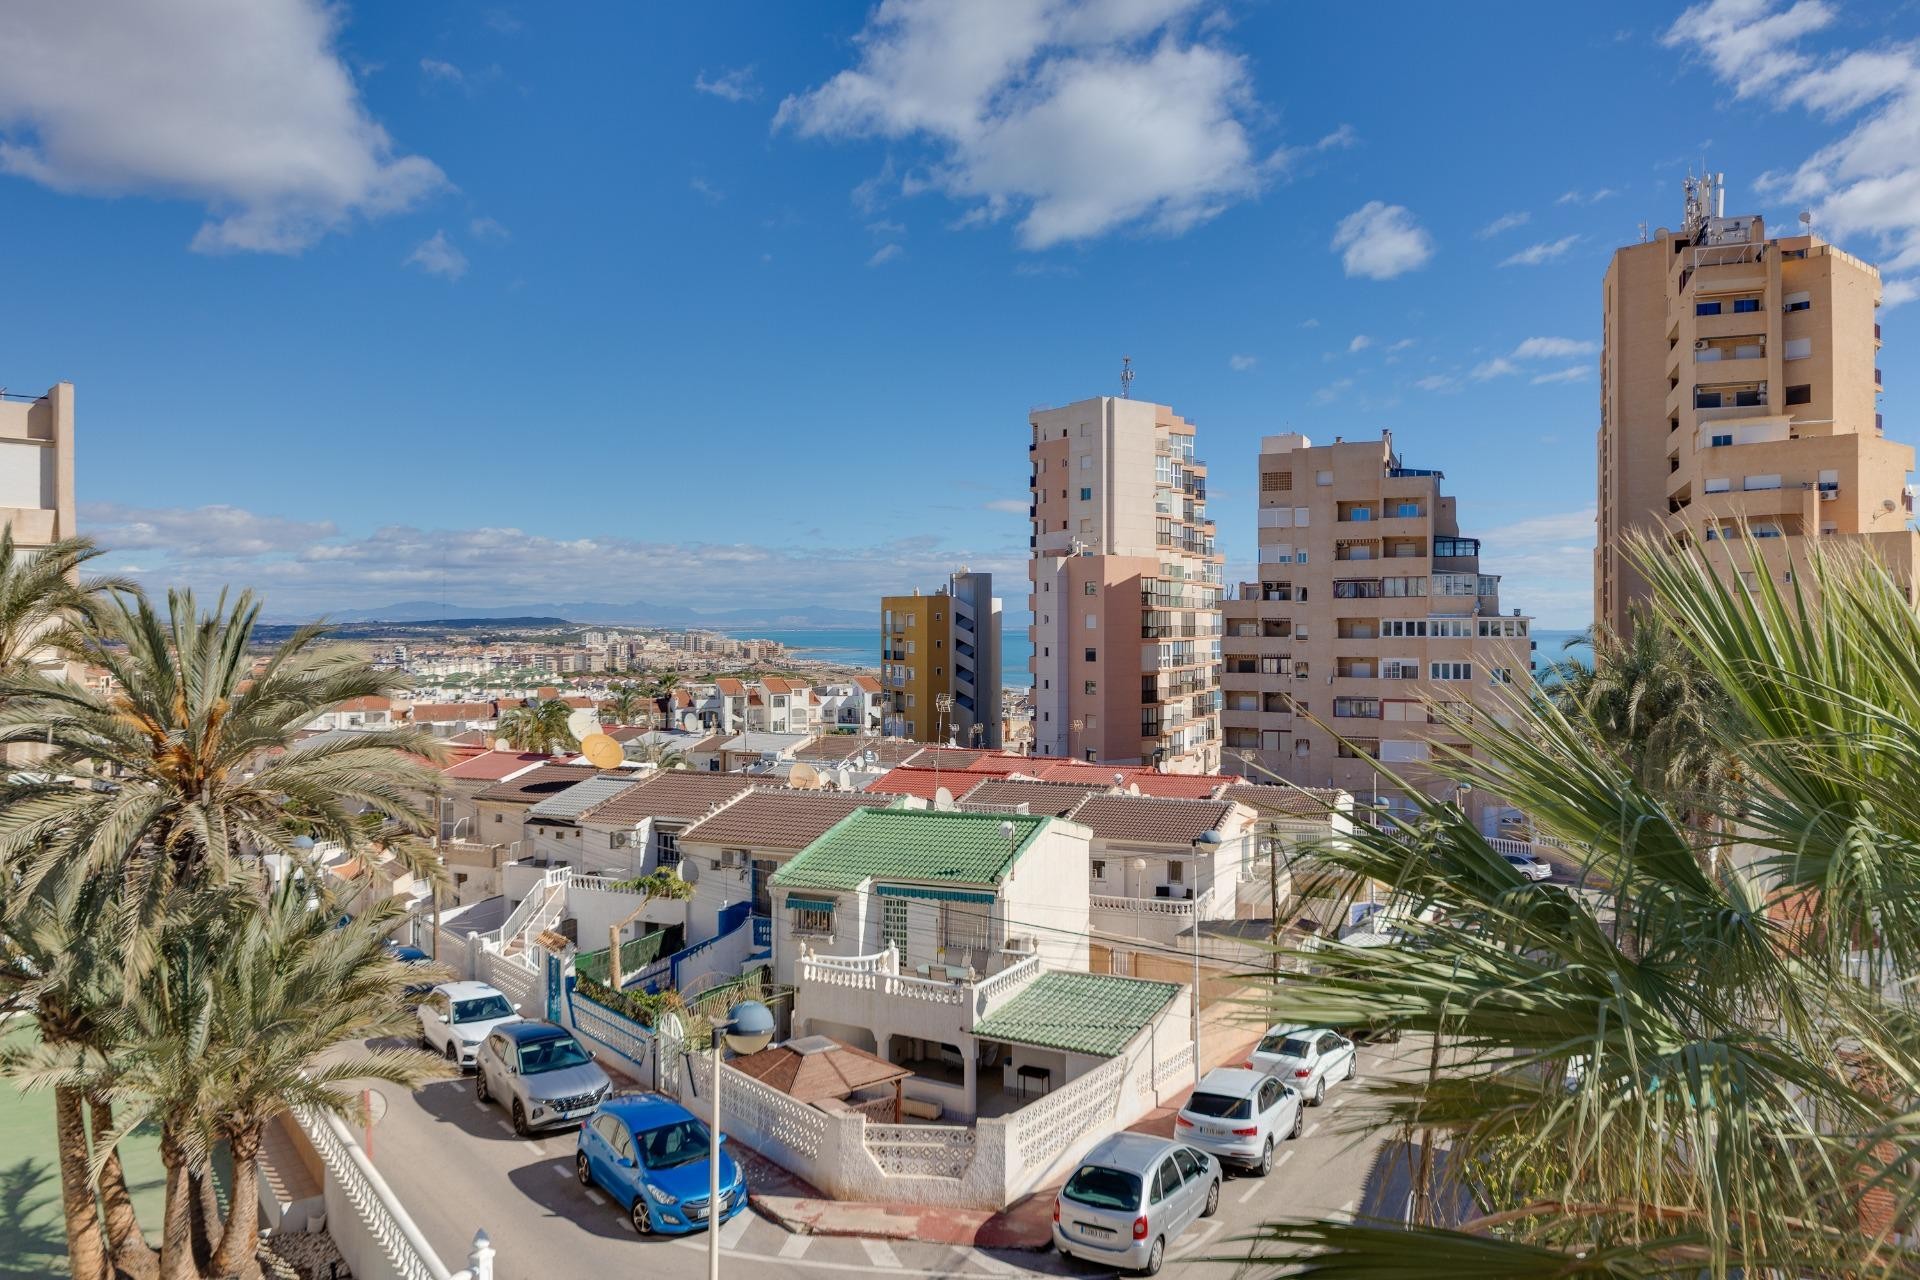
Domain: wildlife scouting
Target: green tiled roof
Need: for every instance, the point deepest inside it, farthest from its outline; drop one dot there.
(1092, 1013)
(910, 845)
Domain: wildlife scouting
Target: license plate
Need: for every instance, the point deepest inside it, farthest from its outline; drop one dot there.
(1216, 1131)
(1088, 1229)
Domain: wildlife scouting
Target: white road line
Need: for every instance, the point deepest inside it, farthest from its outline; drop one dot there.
(562, 1170)
(822, 1264)
(879, 1253)
(1336, 1104)
(536, 1148)
(1256, 1183)
(795, 1246)
(596, 1197)
(479, 1105)
(1345, 1212)
(733, 1228)
(1309, 1132)
(504, 1125)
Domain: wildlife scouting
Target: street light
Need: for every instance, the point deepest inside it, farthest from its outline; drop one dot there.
(746, 1029)
(1207, 840)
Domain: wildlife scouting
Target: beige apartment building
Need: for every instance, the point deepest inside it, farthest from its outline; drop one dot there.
(1739, 384)
(1125, 588)
(36, 465)
(1370, 605)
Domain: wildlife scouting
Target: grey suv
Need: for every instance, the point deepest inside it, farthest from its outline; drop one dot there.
(540, 1073)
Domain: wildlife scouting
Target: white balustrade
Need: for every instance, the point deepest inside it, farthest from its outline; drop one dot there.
(1010, 981)
(381, 1215)
(1150, 906)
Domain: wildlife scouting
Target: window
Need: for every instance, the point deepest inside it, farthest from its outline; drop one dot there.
(1722, 441)
(1360, 708)
(1176, 873)
(1450, 670)
(1323, 479)
(1092, 655)
(893, 924)
(1802, 394)
(1299, 557)
(1093, 622)
(1090, 686)
(1086, 494)
(1276, 481)
(1829, 481)
(1798, 302)
(1745, 304)
(668, 842)
(1086, 462)
(1716, 484)
(1706, 308)
(1089, 588)
(1099, 869)
(1798, 348)
(808, 916)
(1301, 748)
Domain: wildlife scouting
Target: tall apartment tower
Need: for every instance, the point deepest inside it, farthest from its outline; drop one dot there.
(1739, 384)
(940, 663)
(1370, 604)
(1126, 588)
(36, 465)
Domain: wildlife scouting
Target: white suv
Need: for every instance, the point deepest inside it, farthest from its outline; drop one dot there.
(1306, 1058)
(456, 1016)
(1237, 1116)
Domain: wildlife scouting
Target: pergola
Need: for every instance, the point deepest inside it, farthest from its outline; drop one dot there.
(814, 1069)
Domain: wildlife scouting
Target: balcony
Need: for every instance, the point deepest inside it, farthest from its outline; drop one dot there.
(1356, 588)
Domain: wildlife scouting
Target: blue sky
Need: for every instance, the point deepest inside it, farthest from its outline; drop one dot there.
(748, 302)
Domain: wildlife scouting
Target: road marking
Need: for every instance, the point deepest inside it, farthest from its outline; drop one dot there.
(1345, 1212)
(733, 1228)
(562, 1170)
(879, 1253)
(536, 1148)
(479, 1105)
(1256, 1183)
(504, 1125)
(1336, 1104)
(596, 1197)
(795, 1246)
(1309, 1131)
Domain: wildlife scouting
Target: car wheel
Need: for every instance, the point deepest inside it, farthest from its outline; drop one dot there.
(1213, 1199)
(1319, 1092)
(453, 1054)
(480, 1085)
(519, 1118)
(1299, 1122)
(1353, 1065)
(1265, 1166)
(583, 1170)
(1155, 1257)
(642, 1220)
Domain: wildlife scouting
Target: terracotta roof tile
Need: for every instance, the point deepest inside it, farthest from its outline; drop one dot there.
(909, 781)
(730, 686)
(1281, 802)
(371, 703)
(776, 818)
(678, 794)
(870, 683)
(441, 712)
(1039, 797)
(493, 766)
(1149, 819)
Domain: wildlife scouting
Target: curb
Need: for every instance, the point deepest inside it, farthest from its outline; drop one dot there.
(830, 1218)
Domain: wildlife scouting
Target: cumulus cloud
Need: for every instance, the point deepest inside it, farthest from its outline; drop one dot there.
(242, 106)
(884, 254)
(488, 229)
(1865, 183)
(1008, 506)
(1381, 241)
(438, 256)
(1545, 565)
(1545, 251)
(443, 72)
(1242, 364)
(1587, 197)
(1498, 367)
(1333, 391)
(1438, 382)
(1360, 343)
(1554, 348)
(736, 85)
(1076, 117)
(1572, 373)
(1505, 222)
(304, 568)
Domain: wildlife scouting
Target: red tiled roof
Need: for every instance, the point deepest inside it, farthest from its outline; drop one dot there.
(1149, 819)
(776, 818)
(439, 712)
(914, 781)
(677, 794)
(1278, 801)
(494, 766)
(371, 703)
(870, 683)
(471, 738)
(730, 686)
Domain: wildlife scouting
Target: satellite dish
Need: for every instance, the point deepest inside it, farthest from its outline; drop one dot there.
(804, 775)
(842, 780)
(501, 744)
(942, 798)
(687, 869)
(583, 723)
(601, 751)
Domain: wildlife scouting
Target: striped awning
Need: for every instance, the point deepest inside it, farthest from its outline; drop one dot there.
(937, 895)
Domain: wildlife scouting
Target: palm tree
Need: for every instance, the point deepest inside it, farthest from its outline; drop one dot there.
(661, 755)
(541, 727)
(42, 595)
(1706, 1069)
(624, 701)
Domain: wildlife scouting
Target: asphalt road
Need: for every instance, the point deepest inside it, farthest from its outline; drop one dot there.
(457, 1166)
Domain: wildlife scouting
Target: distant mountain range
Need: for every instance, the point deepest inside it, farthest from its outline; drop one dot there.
(640, 612)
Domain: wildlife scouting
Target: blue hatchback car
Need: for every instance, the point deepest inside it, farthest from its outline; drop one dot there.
(650, 1154)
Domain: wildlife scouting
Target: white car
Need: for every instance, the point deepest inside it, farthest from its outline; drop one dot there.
(1306, 1058)
(456, 1016)
(1530, 867)
(1237, 1115)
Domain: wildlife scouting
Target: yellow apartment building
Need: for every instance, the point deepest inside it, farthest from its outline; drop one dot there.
(940, 670)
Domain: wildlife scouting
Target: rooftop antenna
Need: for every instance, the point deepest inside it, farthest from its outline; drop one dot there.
(1126, 377)
(1806, 220)
(1643, 231)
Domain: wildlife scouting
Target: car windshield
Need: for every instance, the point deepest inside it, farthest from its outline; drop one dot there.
(679, 1143)
(1286, 1046)
(551, 1055)
(481, 1009)
(1104, 1188)
(1219, 1105)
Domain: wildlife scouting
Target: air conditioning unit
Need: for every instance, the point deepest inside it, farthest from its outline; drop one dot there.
(1700, 344)
(1829, 495)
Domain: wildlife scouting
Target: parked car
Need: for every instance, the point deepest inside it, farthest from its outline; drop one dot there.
(1529, 866)
(650, 1154)
(1237, 1116)
(456, 1016)
(1131, 1197)
(1306, 1058)
(412, 956)
(540, 1073)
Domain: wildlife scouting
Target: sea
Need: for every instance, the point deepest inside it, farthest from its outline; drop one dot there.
(860, 647)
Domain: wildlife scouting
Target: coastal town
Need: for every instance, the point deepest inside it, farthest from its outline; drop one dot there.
(1219, 876)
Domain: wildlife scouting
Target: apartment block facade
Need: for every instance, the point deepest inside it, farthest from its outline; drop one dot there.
(36, 465)
(1370, 605)
(1739, 387)
(940, 663)
(1125, 588)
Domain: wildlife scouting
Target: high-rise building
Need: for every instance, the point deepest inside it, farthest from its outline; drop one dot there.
(36, 465)
(1370, 605)
(1125, 588)
(940, 663)
(1739, 383)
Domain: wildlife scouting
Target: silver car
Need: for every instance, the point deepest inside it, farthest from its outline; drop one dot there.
(1306, 1058)
(1131, 1198)
(1238, 1115)
(540, 1073)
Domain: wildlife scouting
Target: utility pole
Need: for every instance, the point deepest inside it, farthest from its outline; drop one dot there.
(1273, 894)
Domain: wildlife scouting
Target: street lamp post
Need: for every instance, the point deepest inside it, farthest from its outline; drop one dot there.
(1208, 840)
(747, 1028)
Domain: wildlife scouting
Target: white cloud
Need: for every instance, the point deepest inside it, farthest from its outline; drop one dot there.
(1545, 565)
(444, 72)
(702, 187)
(1573, 373)
(488, 229)
(208, 533)
(1290, 159)
(736, 85)
(1587, 197)
(1505, 222)
(1242, 364)
(1865, 183)
(1438, 382)
(1545, 251)
(1553, 348)
(1076, 117)
(1381, 241)
(1310, 323)
(887, 228)
(503, 22)
(1403, 344)
(1333, 391)
(438, 256)
(1894, 293)
(1008, 506)
(1360, 343)
(239, 105)
(884, 254)
(1498, 367)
